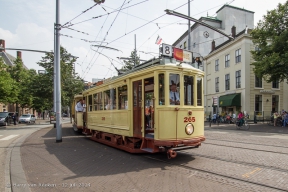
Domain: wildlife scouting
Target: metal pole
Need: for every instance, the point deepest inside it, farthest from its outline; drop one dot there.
(189, 29)
(54, 74)
(58, 68)
(135, 56)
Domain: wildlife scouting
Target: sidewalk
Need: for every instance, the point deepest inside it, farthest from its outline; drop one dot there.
(259, 127)
(38, 121)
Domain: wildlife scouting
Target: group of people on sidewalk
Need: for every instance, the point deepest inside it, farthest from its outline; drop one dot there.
(282, 117)
(233, 118)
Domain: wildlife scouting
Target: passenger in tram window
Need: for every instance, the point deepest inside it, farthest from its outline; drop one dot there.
(79, 105)
(110, 105)
(174, 95)
(147, 116)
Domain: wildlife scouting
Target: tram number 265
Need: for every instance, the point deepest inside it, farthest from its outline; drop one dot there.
(189, 119)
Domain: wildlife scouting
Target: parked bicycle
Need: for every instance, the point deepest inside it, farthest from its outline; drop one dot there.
(244, 124)
(279, 121)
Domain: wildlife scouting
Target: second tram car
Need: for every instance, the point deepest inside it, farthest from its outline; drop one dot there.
(155, 107)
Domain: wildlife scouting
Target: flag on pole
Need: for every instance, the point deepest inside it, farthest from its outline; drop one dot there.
(158, 40)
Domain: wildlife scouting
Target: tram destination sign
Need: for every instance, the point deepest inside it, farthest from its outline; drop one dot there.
(178, 54)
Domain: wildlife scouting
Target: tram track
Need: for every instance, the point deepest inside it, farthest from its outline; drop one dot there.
(246, 143)
(237, 162)
(215, 173)
(269, 151)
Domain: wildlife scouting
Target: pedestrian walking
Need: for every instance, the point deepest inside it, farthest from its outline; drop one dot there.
(14, 117)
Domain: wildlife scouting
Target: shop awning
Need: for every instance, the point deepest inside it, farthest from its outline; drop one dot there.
(230, 100)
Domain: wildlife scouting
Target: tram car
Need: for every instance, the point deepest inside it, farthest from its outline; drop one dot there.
(155, 107)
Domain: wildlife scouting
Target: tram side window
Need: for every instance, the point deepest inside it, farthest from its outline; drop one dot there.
(90, 103)
(174, 86)
(188, 90)
(123, 97)
(110, 99)
(161, 89)
(98, 101)
(199, 91)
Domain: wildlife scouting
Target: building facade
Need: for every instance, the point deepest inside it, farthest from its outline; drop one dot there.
(231, 82)
(226, 17)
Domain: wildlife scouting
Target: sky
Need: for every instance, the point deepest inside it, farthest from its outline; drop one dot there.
(29, 25)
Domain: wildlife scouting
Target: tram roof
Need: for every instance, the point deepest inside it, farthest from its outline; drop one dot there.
(154, 62)
(159, 61)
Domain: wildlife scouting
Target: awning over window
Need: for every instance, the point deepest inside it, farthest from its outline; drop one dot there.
(230, 100)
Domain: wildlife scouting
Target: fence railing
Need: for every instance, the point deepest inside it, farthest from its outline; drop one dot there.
(255, 116)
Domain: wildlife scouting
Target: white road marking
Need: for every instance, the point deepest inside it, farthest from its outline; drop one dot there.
(8, 137)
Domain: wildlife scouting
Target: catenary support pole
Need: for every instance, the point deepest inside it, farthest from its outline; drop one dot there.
(135, 55)
(58, 68)
(189, 29)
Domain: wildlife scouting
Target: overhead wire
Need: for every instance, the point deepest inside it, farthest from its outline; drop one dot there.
(107, 13)
(179, 21)
(146, 24)
(80, 14)
(104, 39)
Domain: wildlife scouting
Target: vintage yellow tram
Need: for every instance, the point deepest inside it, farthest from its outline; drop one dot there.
(138, 112)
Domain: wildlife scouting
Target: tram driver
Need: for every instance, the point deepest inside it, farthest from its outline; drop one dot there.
(79, 106)
(174, 95)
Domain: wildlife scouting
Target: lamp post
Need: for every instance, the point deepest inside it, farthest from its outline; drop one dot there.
(57, 87)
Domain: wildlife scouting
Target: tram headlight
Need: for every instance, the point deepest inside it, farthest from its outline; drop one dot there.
(189, 129)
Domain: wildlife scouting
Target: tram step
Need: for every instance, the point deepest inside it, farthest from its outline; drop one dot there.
(148, 150)
(149, 135)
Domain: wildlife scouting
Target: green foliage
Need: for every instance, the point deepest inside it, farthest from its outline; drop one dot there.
(70, 83)
(29, 89)
(129, 64)
(271, 38)
(7, 85)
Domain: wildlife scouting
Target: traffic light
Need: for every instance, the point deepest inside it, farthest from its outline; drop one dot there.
(99, 1)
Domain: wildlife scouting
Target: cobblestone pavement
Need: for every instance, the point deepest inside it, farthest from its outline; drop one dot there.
(227, 161)
(83, 165)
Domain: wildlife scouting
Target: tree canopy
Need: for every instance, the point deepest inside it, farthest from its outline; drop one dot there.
(129, 64)
(28, 89)
(271, 40)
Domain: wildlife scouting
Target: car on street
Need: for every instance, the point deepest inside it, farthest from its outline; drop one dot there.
(5, 119)
(27, 118)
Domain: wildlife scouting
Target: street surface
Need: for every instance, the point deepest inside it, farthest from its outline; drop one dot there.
(11, 138)
(229, 160)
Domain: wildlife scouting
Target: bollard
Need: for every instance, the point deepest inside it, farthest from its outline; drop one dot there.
(255, 119)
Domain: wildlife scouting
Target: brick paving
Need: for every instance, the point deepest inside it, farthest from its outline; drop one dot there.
(83, 165)
(258, 127)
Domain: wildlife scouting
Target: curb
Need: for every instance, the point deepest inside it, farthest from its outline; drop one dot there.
(14, 172)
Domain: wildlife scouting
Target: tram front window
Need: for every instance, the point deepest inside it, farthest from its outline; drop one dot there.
(188, 90)
(174, 95)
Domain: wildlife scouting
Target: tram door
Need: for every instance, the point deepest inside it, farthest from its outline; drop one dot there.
(149, 106)
(137, 102)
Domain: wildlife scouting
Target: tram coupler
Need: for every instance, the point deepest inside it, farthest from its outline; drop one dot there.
(171, 153)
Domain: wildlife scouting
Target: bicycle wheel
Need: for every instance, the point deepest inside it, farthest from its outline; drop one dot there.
(246, 126)
(237, 125)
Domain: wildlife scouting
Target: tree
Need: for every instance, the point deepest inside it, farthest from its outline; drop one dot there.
(271, 37)
(7, 85)
(20, 77)
(129, 64)
(71, 83)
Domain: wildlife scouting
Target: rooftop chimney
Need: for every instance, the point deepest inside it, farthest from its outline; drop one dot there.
(233, 31)
(2, 45)
(213, 46)
(19, 54)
